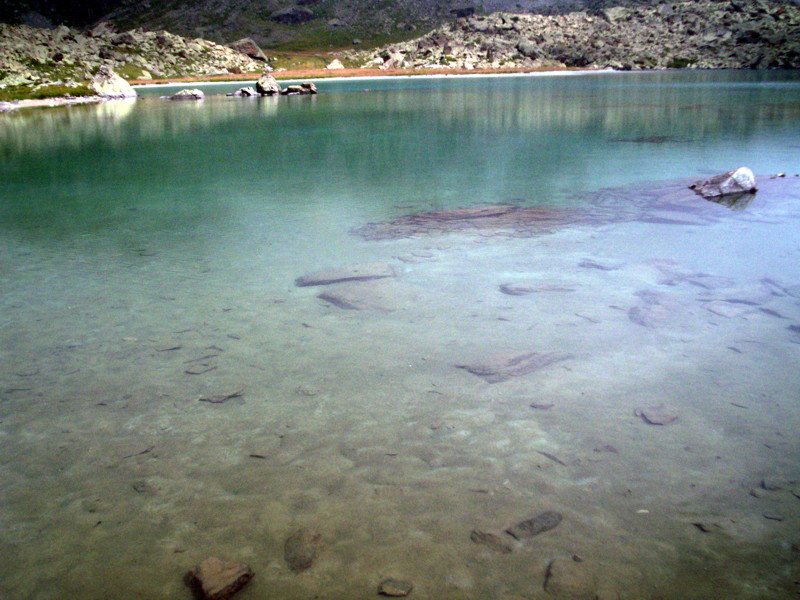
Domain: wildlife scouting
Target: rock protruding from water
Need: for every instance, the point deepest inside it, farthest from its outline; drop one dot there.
(301, 548)
(267, 85)
(533, 527)
(738, 181)
(358, 272)
(108, 84)
(299, 89)
(244, 92)
(193, 94)
(502, 368)
(217, 579)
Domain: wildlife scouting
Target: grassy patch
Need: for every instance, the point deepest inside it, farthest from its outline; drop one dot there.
(680, 63)
(27, 92)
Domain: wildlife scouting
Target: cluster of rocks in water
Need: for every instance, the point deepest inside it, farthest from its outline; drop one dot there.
(220, 579)
(267, 85)
(704, 34)
(30, 56)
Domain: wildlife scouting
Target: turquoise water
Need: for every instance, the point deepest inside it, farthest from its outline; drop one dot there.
(148, 258)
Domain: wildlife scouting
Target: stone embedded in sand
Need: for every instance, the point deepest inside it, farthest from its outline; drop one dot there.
(494, 542)
(380, 294)
(570, 580)
(655, 415)
(360, 272)
(532, 527)
(503, 368)
(654, 310)
(216, 579)
(301, 548)
(395, 588)
(589, 263)
(525, 288)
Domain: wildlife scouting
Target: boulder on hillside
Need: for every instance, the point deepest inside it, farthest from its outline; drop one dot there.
(738, 181)
(335, 64)
(108, 84)
(292, 15)
(249, 48)
(267, 85)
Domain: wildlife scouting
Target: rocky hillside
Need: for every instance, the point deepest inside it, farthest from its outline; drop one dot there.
(31, 56)
(694, 34)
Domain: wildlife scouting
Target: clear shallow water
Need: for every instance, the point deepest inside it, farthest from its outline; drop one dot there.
(144, 240)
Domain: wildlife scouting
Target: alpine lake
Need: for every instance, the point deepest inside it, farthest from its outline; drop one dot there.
(475, 334)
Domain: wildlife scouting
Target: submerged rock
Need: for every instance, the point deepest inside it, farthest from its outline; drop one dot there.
(395, 588)
(570, 580)
(656, 415)
(738, 181)
(506, 220)
(502, 369)
(532, 527)
(358, 272)
(383, 295)
(108, 84)
(216, 579)
(492, 541)
(301, 548)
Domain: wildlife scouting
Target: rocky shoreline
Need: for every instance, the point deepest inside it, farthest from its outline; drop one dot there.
(703, 34)
(65, 56)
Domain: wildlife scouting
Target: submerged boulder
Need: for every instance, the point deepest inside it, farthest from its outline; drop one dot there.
(738, 181)
(216, 579)
(108, 84)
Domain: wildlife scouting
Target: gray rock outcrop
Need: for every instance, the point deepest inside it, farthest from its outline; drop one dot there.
(706, 34)
(30, 56)
(267, 85)
(108, 84)
(738, 181)
(193, 94)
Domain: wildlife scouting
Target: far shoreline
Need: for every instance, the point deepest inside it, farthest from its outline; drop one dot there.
(361, 74)
(291, 76)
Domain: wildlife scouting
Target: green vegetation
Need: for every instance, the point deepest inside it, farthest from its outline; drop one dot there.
(680, 63)
(27, 92)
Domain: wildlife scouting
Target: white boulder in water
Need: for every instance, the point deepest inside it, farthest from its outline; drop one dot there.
(108, 84)
(739, 181)
(193, 94)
